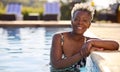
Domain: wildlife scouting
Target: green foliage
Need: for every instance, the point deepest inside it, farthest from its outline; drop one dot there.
(2, 11)
(27, 10)
(83, 0)
(65, 12)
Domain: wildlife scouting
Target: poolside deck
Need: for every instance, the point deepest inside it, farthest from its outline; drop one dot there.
(48, 23)
(106, 61)
(35, 23)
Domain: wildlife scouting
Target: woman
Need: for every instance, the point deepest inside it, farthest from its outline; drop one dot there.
(69, 49)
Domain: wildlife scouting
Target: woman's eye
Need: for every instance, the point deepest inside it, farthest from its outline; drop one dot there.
(85, 20)
(76, 19)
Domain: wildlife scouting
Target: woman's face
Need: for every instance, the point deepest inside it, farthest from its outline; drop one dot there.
(80, 22)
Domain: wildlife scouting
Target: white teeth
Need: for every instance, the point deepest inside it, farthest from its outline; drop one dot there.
(79, 27)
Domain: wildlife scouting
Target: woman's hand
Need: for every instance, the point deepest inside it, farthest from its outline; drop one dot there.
(86, 49)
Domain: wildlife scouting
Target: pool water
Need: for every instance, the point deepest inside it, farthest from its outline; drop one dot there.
(27, 49)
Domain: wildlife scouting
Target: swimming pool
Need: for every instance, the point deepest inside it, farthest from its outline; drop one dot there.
(27, 49)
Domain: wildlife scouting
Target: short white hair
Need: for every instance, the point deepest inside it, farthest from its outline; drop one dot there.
(83, 7)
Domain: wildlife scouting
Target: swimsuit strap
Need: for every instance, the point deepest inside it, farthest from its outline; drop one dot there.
(62, 43)
(62, 39)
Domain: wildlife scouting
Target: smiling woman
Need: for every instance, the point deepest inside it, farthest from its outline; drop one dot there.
(69, 50)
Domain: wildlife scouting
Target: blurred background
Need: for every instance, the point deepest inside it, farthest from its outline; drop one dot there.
(27, 28)
(106, 10)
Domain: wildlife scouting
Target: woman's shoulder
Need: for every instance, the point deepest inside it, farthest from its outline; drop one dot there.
(60, 34)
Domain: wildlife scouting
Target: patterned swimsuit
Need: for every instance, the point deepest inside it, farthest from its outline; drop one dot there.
(73, 68)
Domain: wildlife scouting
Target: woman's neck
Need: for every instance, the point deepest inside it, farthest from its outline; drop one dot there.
(76, 36)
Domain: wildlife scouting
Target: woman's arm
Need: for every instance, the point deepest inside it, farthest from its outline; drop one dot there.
(104, 44)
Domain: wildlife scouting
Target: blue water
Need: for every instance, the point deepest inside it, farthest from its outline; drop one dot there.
(26, 49)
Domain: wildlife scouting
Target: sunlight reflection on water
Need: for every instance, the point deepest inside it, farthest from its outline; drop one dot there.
(26, 49)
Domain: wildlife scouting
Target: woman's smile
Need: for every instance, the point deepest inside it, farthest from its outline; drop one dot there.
(79, 28)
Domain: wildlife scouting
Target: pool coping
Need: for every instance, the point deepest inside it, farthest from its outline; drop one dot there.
(49, 23)
(105, 61)
(35, 23)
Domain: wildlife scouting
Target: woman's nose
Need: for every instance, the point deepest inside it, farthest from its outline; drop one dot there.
(80, 22)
